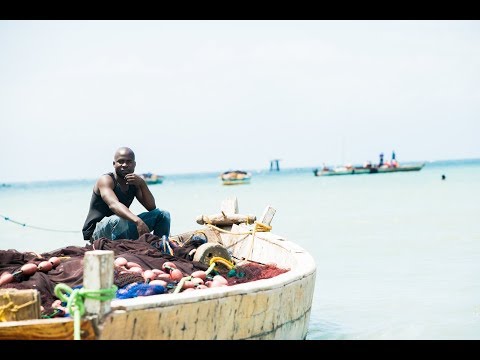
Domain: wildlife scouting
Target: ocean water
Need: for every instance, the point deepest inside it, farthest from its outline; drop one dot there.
(397, 255)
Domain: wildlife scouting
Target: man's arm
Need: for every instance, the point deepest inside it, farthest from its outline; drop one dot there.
(143, 194)
(105, 187)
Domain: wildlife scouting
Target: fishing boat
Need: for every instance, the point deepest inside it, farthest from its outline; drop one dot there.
(271, 307)
(235, 177)
(152, 179)
(358, 170)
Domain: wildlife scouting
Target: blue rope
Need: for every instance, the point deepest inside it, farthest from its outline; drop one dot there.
(37, 227)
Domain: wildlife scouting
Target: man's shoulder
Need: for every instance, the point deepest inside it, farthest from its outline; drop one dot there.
(106, 179)
(107, 176)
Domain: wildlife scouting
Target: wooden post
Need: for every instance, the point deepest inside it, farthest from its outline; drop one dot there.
(274, 165)
(229, 206)
(98, 274)
(268, 215)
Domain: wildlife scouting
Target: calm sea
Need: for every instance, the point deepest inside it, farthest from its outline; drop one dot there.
(398, 255)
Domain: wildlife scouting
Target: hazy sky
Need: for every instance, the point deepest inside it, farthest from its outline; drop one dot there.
(194, 96)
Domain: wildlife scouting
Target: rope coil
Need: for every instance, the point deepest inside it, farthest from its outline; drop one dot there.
(223, 261)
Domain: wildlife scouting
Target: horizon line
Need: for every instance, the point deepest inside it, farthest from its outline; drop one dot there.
(266, 170)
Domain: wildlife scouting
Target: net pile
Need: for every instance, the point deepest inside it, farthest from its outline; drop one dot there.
(251, 272)
(144, 251)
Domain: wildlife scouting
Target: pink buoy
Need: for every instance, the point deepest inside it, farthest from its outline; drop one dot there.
(45, 266)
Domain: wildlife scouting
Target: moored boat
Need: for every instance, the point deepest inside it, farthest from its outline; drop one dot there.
(276, 307)
(388, 169)
(235, 177)
(152, 179)
(342, 170)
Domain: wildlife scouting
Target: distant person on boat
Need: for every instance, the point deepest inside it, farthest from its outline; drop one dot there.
(381, 160)
(394, 162)
(109, 215)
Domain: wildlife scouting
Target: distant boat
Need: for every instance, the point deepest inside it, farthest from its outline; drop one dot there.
(235, 177)
(350, 170)
(152, 179)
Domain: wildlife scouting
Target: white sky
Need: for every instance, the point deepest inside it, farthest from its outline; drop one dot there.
(194, 96)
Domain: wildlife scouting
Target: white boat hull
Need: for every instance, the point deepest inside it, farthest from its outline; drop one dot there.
(373, 170)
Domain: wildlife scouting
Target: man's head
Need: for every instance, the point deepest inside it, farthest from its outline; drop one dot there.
(124, 161)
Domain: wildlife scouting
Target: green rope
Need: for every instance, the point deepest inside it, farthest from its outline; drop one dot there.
(52, 315)
(37, 227)
(75, 300)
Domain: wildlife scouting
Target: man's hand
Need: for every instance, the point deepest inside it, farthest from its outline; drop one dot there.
(134, 179)
(142, 228)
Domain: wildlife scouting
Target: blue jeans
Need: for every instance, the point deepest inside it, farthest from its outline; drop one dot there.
(116, 228)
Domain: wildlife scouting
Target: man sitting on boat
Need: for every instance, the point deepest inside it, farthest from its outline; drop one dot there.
(109, 215)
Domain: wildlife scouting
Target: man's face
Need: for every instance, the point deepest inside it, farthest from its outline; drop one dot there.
(124, 164)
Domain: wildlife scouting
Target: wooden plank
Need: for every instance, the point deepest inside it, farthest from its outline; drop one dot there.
(18, 304)
(221, 220)
(229, 206)
(268, 215)
(47, 329)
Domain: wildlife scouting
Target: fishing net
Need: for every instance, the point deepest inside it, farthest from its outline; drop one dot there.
(252, 271)
(123, 279)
